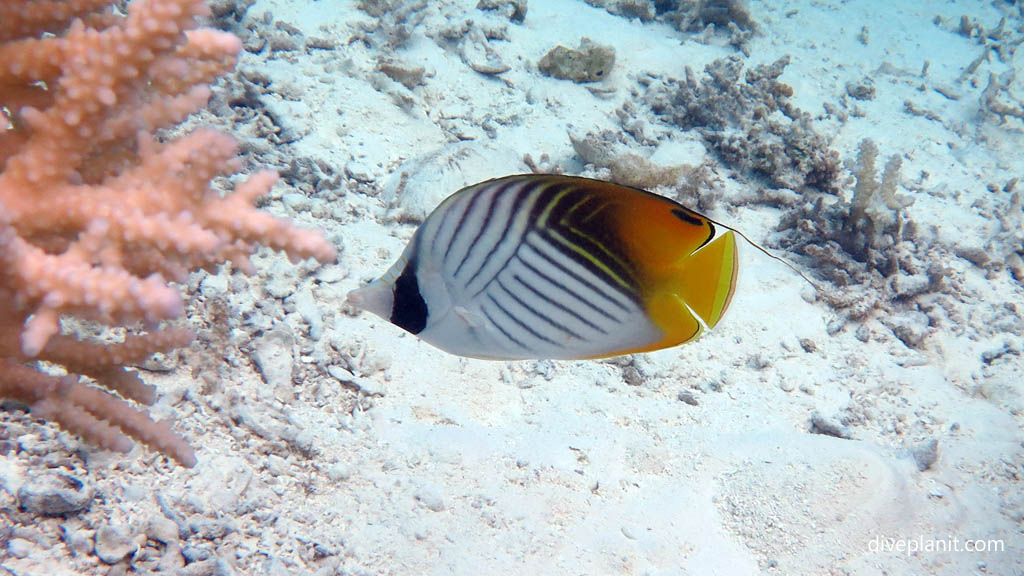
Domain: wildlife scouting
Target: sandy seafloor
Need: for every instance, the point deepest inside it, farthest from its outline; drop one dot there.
(330, 442)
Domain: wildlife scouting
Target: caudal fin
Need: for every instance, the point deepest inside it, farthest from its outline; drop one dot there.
(376, 297)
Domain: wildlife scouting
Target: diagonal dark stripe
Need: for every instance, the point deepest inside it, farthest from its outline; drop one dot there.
(494, 322)
(458, 225)
(584, 230)
(517, 202)
(566, 289)
(519, 322)
(564, 269)
(492, 201)
(542, 317)
(555, 303)
(597, 250)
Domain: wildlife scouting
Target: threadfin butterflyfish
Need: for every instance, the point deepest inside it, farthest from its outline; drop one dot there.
(561, 267)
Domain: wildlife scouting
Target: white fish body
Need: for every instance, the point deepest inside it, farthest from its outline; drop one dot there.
(533, 267)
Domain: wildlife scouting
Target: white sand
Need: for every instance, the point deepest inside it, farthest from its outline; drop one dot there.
(444, 465)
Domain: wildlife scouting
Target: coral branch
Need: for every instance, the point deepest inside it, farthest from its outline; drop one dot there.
(96, 213)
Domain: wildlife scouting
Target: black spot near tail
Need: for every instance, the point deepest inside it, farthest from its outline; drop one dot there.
(409, 310)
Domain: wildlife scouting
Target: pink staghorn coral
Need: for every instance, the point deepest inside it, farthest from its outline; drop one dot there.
(97, 215)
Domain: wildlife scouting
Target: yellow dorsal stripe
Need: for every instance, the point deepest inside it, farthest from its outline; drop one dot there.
(607, 252)
(542, 221)
(591, 258)
(575, 206)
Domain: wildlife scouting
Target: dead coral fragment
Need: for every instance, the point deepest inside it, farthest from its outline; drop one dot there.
(394, 20)
(867, 241)
(603, 151)
(685, 15)
(702, 13)
(589, 63)
(514, 9)
(642, 9)
(862, 90)
(402, 72)
(867, 246)
(875, 208)
(748, 120)
(476, 51)
(995, 96)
